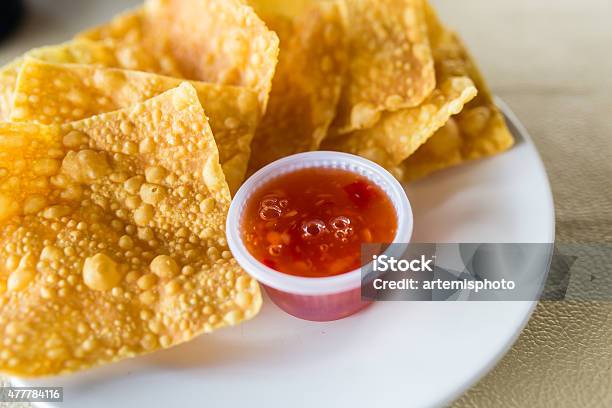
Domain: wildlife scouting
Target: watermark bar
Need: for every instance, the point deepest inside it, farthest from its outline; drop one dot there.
(486, 272)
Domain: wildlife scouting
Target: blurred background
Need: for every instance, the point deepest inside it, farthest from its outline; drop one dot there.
(551, 61)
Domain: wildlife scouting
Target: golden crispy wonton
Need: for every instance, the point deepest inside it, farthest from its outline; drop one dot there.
(79, 52)
(308, 79)
(391, 64)
(220, 41)
(397, 135)
(478, 131)
(50, 93)
(112, 237)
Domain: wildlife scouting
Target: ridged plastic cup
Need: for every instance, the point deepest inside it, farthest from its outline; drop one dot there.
(315, 299)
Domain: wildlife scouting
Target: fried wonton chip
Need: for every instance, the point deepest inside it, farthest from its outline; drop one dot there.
(399, 134)
(58, 93)
(78, 52)
(308, 79)
(478, 131)
(86, 52)
(112, 239)
(391, 64)
(220, 41)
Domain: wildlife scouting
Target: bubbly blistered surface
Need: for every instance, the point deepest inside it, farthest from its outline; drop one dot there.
(75, 51)
(399, 134)
(478, 131)
(112, 238)
(78, 52)
(391, 64)
(220, 41)
(307, 84)
(51, 93)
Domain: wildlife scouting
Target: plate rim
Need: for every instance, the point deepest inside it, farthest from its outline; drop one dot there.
(514, 123)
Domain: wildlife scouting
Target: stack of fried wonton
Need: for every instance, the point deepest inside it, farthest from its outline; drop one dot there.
(383, 79)
(120, 149)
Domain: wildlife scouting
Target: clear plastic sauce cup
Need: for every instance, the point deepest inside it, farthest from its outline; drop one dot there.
(315, 299)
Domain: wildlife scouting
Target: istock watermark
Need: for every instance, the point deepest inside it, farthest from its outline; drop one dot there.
(385, 263)
(486, 272)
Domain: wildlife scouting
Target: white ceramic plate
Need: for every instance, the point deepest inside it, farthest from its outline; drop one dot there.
(413, 354)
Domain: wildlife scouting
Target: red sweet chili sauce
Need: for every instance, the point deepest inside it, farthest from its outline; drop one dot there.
(312, 222)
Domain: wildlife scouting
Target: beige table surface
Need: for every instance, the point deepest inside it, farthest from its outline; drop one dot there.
(551, 60)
